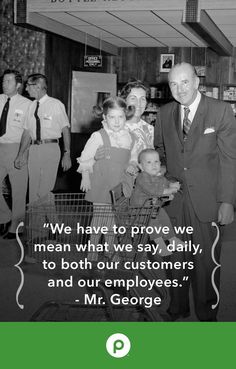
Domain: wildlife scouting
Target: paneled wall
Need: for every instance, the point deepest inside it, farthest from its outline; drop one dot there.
(63, 56)
(144, 64)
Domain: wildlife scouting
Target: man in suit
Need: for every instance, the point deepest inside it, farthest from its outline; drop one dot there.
(196, 137)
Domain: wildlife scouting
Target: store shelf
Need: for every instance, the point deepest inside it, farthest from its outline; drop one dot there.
(229, 93)
(210, 90)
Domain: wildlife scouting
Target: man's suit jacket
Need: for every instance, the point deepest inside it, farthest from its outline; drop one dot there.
(206, 162)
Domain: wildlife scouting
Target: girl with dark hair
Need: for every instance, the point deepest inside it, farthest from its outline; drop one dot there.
(99, 177)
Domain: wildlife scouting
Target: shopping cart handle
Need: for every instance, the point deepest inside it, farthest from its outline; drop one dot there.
(161, 199)
(165, 198)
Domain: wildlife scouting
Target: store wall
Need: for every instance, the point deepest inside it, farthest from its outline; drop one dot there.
(31, 51)
(63, 56)
(20, 48)
(144, 64)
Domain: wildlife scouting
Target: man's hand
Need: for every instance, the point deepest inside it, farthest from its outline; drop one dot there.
(225, 213)
(100, 153)
(20, 161)
(170, 191)
(66, 161)
(175, 186)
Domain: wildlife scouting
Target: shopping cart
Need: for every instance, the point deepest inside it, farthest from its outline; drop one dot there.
(45, 220)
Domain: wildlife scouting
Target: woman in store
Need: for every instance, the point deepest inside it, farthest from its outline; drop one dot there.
(135, 94)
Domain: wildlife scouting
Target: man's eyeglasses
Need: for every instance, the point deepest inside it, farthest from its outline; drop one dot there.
(30, 84)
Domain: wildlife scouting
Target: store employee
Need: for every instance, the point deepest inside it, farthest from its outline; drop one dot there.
(13, 109)
(46, 122)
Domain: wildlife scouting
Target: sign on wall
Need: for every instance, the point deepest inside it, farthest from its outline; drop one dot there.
(92, 60)
(101, 5)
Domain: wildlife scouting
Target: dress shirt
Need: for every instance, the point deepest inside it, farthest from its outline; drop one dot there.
(193, 108)
(16, 118)
(52, 115)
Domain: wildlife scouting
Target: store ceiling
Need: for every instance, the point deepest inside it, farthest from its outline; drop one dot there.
(129, 23)
(132, 28)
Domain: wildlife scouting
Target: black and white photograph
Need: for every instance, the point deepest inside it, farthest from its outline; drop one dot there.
(166, 62)
(118, 180)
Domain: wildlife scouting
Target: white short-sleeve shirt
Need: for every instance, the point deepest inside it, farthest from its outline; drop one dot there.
(16, 117)
(52, 115)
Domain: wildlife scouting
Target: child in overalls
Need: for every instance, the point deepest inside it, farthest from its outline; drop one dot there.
(99, 177)
(151, 183)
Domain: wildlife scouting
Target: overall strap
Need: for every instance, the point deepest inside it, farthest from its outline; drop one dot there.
(105, 137)
(133, 137)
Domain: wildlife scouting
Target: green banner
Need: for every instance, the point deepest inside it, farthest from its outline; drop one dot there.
(84, 345)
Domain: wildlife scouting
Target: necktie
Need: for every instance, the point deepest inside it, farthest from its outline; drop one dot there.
(3, 120)
(186, 122)
(38, 127)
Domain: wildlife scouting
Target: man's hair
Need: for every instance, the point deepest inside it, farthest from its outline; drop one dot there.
(144, 152)
(184, 64)
(38, 77)
(18, 76)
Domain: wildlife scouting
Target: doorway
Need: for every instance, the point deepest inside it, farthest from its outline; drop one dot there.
(87, 90)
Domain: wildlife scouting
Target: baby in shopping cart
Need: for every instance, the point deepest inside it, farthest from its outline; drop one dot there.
(151, 183)
(99, 177)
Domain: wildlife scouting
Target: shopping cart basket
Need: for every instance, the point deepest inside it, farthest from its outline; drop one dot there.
(43, 222)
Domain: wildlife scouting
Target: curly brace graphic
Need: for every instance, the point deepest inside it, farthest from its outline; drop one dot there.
(217, 264)
(18, 266)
